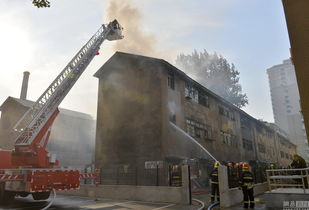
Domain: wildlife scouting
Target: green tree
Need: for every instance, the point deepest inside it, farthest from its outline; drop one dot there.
(215, 73)
(41, 3)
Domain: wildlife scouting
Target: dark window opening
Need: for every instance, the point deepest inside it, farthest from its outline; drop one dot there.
(247, 144)
(173, 118)
(261, 148)
(227, 113)
(171, 81)
(203, 99)
(191, 93)
(198, 130)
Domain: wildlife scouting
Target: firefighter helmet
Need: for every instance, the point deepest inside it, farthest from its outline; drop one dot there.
(245, 166)
(216, 165)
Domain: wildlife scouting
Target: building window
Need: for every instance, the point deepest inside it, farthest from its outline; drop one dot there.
(191, 93)
(286, 155)
(173, 118)
(203, 99)
(191, 130)
(261, 148)
(247, 144)
(229, 139)
(227, 113)
(198, 130)
(171, 80)
(196, 95)
(282, 154)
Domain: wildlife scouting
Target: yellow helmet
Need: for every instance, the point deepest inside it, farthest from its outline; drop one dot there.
(216, 165)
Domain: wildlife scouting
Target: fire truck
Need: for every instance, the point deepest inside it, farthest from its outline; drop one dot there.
(29, 168)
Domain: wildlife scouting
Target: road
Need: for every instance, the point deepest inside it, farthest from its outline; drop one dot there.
(76, 202)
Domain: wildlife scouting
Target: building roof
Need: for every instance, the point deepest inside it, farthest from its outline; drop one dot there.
(28, 103)
(121, 55)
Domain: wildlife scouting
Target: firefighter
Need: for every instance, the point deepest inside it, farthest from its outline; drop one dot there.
(215, 183)
(246, 184)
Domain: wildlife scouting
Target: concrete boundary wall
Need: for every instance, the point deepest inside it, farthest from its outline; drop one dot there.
(230, 197)
(160, 194)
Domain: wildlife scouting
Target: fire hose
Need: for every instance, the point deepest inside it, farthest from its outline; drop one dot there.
(51, 202)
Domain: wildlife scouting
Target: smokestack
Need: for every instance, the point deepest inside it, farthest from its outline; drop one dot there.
(24, 86)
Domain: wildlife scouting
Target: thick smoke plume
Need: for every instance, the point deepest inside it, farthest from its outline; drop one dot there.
(136, 40)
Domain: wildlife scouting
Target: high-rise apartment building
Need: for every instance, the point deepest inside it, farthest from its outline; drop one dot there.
(285, 103)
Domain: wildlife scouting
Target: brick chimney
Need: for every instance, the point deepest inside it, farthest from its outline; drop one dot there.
(24, 86)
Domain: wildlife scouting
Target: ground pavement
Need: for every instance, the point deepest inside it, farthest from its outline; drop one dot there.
(75, 202)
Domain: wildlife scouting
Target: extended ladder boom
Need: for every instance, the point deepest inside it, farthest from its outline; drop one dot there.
(36, 117)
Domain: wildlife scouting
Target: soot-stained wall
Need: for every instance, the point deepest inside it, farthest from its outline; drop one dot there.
(129, 112)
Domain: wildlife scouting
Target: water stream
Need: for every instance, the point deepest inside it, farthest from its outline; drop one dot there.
(192, 140)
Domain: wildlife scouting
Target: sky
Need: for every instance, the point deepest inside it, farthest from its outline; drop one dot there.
(252, 34)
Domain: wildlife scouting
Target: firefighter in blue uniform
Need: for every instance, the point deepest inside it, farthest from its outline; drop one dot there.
(246, 183)
(215, 183)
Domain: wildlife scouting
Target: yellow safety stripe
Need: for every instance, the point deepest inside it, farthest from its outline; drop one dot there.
(248, 177)
(246, 201)
(214, 182)
(212, 196)
(215, 174)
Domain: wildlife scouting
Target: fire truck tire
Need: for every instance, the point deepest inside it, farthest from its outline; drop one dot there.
(40, 195)
(5, 196)
(2, 192)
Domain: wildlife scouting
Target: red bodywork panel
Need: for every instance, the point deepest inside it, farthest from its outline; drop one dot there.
(46, 180)
(5, 159)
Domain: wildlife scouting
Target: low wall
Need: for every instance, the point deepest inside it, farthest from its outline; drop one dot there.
(233, 196)
(282, 198)
(160, 194)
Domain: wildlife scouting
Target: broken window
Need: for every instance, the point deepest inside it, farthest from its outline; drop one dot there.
(198, 130)
(171, 80)
(229, 139)
(203, 99)
(191, 130)
(191, 93)
(227, 112)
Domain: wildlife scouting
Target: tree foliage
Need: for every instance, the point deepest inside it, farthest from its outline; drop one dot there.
(215, 73)
(41, 3)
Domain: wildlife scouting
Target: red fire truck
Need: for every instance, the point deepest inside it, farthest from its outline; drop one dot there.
(29, 168)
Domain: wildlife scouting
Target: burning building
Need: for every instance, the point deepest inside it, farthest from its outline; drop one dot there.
(142, 102)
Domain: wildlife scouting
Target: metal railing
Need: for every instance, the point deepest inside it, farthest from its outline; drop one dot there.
(139, 176)
(288, 178)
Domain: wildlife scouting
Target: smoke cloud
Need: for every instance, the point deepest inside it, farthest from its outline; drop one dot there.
(136, 40)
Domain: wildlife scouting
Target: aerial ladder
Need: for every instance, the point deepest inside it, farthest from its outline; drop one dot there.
(29, 168)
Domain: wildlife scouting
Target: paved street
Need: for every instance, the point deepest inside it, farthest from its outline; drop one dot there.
(75, 202)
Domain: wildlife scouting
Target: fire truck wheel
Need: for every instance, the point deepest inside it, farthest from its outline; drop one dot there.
(5, 196)
(2, 192)
(40, 195)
